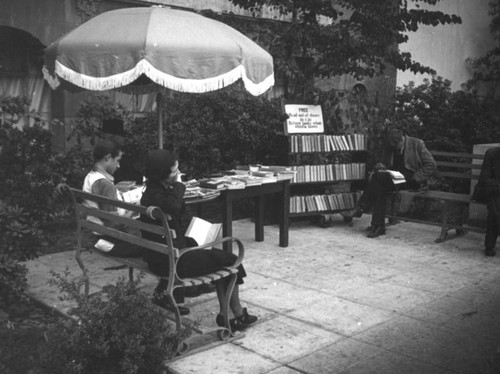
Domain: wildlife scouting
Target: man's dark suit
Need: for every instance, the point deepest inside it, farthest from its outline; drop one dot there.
(416, 164)
(488, 191)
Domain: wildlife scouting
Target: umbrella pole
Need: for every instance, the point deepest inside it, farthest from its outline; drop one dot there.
(160, 120)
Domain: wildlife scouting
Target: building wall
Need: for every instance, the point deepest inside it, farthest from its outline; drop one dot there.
(445, 48)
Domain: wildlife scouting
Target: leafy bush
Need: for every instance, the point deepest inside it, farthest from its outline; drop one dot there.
(119, 331)
(446, 120)
(213, 132)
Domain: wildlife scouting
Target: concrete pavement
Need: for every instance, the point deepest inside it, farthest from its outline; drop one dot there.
(335, 301)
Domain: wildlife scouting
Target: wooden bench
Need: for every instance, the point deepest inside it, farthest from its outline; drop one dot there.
(136, 263)
(451, 167)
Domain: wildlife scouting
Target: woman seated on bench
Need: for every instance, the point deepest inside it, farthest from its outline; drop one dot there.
(165, 190)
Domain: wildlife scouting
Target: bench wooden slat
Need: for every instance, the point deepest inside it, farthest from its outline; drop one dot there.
(456, 154)
(458, 165)
(80, 195)
(130, 222)
(456, 174)
(137, 240)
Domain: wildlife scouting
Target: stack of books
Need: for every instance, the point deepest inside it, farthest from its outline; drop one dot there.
(249, 180)
(213, 183)
(266, 176)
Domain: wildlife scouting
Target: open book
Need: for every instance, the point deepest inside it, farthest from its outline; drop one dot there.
(203, 231)
(397, 177)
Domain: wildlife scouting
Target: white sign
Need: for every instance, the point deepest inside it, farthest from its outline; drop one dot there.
(304, 119)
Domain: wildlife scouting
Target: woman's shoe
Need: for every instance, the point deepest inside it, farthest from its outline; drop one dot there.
(376, 231)
(238, 323)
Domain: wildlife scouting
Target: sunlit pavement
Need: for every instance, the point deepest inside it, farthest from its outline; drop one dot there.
(335, 301)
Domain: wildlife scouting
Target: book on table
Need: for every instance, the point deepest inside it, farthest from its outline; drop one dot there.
(212, 183)
(203, 231)
(397, 177)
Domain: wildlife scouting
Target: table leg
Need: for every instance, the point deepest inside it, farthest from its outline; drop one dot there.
(259, 218)
(284, 216)
(227, 223)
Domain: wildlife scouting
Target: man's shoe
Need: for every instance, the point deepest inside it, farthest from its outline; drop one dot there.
(164, 303)
(490, 252)
(376, 231)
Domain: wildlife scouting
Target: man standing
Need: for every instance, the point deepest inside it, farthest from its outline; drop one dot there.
(402, 153)
(488, 191)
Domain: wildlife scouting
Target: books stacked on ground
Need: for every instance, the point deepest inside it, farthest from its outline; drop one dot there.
(397, 177)
(203, 231)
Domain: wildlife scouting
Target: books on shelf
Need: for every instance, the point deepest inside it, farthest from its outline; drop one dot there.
(327, 143)
(323, 203)
(329, 172)
(203, 231)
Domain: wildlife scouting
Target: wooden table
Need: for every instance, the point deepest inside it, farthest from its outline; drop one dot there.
(226, 198)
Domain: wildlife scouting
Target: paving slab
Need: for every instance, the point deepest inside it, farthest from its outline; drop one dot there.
(335, 301)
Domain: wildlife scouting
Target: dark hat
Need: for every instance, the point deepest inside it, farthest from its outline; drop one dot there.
(159, 164)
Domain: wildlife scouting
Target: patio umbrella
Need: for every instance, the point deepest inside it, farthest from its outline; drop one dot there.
(152, 49)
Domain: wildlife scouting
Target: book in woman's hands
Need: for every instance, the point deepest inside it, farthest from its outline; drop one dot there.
(397, 177)
(203, 231)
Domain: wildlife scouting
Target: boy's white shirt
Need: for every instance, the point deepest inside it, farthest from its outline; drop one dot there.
(90, 179)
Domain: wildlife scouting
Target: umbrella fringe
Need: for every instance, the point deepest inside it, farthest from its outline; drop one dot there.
(165, 80)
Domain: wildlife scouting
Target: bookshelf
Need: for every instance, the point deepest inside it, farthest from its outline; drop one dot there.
(330, 173)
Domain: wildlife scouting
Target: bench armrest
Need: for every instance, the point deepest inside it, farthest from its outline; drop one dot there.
(241, 249)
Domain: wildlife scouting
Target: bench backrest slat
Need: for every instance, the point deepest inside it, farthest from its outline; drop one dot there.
(134, 223)
(80, 195)
(456, 174)
(129, 238)
(458, 165)
(457, 155)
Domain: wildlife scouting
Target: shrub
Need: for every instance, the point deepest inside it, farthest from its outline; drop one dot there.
(118, 331)
(213, 132)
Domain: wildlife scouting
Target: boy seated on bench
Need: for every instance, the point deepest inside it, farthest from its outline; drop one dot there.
(100, 181)
(401, 153)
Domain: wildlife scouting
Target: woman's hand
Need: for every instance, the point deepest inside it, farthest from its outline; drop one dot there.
(178, 177)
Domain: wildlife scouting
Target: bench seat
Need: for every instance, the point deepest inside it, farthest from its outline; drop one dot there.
(451, 166)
